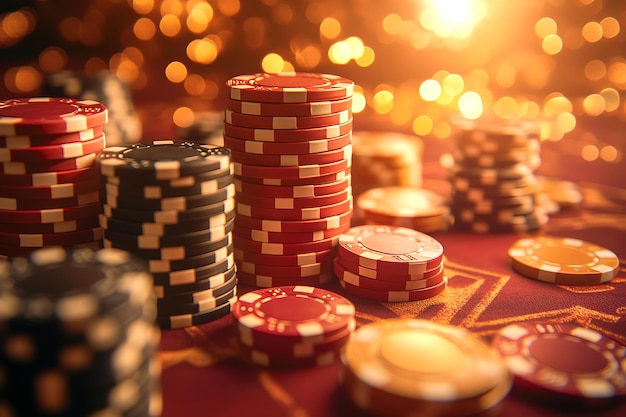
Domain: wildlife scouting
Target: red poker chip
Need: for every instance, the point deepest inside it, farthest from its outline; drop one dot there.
(294, 191)
(291, 172)
(310, 213)
(49, 178)
(24, 141)
(63, 151)
(31, 167)
(298, 271)
(43, 115)
(89, 222)
(270, 160)
(288, 135)
(360, 281)
(294, 226)
(299, 259)
(563, 359)
(289, 87)
(383, 275)
(56, 191)
(392, 249)
(28, 240)
(284, 248)
(287, 148)
(291, 313)
(288, 182)
(293, 203)
(285, 237)
(50, 215)
(261, 358)
(301, 349)
(267, 281)
(286, 122)
(7, 203)
(395, 296)
(315, 108)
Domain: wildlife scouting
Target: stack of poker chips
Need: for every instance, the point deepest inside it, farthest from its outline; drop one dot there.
(390, 264)
(124, 125)
(77, 335)
(384, 159)
(171, 203)
(404, 367)
(564, 364)
(493, 180)
(292, 326)
(48, 176)
(411, 207)
(290, 138)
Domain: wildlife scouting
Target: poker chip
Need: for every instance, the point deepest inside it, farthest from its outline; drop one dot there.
(266, 281)
(313, 108)
(179, 203)
(285, 237)
(393, 367)
(88, 367)
(410, 207)
(57, 191)
(160, 229)
(286, 122)
(43, 115)
(392, 249)
(290, 172)
(270, 160)
(292, 325)
(288, 135)
(395, 296)
(172, 204)
(305, 270)
(563, 261)
(285, 248)
(310, 180)
(39, 240)
(29, 141)
(162, 159)
(294, 203)
(563, 361)
(56, 227)
(296, 191)
(52, 152)
(33, 167)
(50, 215)
(40, 179)
(307, 213)
(385, 159)
(289, 148)
(157, 192)
(494, 169)
(188, 292)
(285, 260)
(564, 194)
(289, 87)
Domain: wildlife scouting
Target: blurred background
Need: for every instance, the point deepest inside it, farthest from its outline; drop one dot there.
(415, 63)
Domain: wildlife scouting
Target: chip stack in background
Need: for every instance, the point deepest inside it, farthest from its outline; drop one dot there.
(390, 264)
(171, 203)
(77, 335)
(290, 138)
(401, 367)
(207, 128)
(493, 180)
(124, 125)
(564, 364)
(48, 175)
(292, 326)
(384, 159)
(411, 207)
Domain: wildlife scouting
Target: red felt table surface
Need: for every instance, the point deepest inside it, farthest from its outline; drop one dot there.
(203, 376)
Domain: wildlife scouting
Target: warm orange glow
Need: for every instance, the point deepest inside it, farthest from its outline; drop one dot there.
(176, 72)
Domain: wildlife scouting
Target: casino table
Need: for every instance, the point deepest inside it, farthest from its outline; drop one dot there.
(202, 374)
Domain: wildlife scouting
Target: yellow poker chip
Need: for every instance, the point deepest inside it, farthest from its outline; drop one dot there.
(562, 260)
(421, 360)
